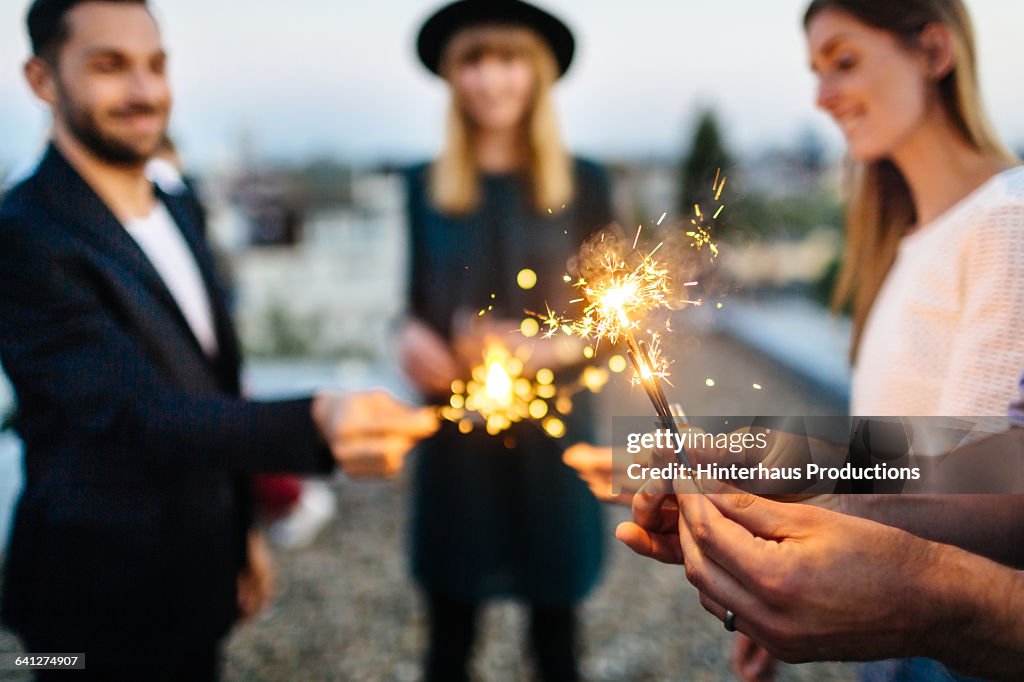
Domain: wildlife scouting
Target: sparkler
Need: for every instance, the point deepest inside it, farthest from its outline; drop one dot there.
(621, 287)
(499, 394)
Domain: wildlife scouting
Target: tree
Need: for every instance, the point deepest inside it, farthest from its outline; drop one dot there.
(707, 154)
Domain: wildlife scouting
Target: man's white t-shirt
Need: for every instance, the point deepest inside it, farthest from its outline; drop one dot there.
(162, 242)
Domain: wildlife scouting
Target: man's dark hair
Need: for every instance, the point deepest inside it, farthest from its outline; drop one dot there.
(48, 28)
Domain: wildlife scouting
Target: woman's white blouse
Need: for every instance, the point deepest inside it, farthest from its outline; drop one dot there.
(946, 334)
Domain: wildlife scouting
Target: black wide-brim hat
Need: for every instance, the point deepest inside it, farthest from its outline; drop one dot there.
(450, 19)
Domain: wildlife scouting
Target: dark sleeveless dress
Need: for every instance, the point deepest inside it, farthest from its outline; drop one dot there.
(489, 520)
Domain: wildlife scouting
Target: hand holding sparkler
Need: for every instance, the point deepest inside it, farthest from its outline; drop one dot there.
(370, 433)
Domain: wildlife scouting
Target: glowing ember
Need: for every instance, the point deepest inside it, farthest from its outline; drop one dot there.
(498, 395)
(498, 386)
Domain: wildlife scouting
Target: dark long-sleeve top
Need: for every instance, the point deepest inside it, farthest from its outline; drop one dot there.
(502, 516)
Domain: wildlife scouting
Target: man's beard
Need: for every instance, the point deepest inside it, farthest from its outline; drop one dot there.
(83, 127)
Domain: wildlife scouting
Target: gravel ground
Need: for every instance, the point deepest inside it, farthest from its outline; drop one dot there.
(346, 610)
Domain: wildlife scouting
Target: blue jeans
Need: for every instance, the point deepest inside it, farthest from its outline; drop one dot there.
(909, 670)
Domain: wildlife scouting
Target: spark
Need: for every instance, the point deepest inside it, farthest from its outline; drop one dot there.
(499, 394)
(526, 279)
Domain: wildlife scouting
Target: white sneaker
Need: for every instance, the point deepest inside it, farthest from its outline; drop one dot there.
(315, 507)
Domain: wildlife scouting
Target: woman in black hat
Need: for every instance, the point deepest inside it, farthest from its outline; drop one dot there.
(498, 516)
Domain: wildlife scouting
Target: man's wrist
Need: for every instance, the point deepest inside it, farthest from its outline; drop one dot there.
(974, 625)
(940, 597)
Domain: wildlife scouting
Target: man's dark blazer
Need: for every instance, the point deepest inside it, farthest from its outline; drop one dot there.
(132, 523)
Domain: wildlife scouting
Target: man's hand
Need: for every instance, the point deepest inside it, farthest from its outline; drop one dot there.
(805, 583)
(256, 581)
(370, 433)
(426, 359)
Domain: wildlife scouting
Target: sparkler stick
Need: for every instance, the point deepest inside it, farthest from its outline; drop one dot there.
(654, 391)
(655, 383)
(651, 393)
(642, 363)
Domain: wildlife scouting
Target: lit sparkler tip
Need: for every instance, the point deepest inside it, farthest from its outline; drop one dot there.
(501, 396)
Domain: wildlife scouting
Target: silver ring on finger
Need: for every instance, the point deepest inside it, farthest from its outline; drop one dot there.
(730, 621)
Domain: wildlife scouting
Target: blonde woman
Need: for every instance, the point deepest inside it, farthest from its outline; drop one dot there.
(934, 266)
(497, 516)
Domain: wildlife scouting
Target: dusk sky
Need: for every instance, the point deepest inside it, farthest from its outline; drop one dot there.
(308, 78)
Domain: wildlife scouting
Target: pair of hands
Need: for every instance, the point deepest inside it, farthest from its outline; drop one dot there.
(432, 363)
(370, 433)
(597, 468)
(806, 584)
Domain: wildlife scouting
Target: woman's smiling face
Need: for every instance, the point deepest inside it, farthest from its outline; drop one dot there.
(875, 88)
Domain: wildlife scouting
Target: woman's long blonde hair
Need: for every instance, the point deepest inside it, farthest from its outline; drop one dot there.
(880, 205)
(455, 176)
